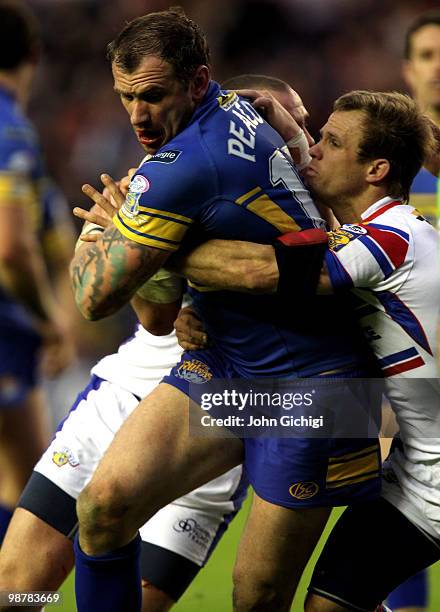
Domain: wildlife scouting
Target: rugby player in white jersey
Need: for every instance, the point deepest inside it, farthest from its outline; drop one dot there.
(421, 71)
(386, 254)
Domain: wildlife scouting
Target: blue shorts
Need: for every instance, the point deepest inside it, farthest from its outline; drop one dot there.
(18, 364)
(294, 471)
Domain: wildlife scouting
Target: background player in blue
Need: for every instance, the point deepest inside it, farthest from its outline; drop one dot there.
(223, 173)
(27, 305)
(421, 71)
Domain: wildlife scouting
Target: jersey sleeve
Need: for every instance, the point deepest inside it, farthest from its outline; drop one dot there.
(364, 255)
(165, 197)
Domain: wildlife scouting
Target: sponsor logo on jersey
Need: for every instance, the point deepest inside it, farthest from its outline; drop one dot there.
(355, 229)
(139, 185)
(227, 101)
(165, 157)
(63, 457)
(193, 530)
(194, 371)
(340, 237)
(304, 490)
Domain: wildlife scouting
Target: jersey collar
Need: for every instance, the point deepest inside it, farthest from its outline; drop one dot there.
(379, 207)
(210, 96)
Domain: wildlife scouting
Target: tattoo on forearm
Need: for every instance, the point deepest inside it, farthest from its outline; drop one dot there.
(106, 276)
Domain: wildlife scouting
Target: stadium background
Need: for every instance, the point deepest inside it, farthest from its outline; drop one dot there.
(322, 47)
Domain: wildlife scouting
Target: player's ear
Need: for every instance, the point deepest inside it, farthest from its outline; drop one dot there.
(377, 170)
(199, 83)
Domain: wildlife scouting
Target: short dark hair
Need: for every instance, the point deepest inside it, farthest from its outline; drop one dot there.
(170, 35)
(257, 81)
(19, 34)
(394, 129)
(429, 18)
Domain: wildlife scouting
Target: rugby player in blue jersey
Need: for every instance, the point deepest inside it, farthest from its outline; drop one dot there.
(217, 170)
(30, 318)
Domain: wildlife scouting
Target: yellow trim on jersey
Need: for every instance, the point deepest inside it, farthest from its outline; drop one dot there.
(353, 467)
(136, 235)
(18, 191)
(247, 195)
(165, 213)
(425, 202)
(268, 210)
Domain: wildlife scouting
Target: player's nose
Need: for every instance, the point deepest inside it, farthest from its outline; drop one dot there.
(315, 150)
(140, 113)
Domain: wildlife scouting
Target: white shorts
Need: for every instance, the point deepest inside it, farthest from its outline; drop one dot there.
(190, 526)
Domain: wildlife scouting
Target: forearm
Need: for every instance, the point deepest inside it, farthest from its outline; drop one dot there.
(106, 274)
(230, 264)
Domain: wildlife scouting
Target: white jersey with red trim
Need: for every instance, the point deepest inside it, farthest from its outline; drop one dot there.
(390, 261)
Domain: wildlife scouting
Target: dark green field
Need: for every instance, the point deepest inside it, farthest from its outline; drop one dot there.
(211, 591)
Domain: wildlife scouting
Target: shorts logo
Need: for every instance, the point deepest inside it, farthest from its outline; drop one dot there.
(304, 490)
(227, 101)
(64, 456)
(194, 371)
(193, 530)
(165, 157)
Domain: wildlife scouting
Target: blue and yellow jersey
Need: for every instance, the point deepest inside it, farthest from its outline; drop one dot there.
(227, 175)
(423, 195)
(21, 182)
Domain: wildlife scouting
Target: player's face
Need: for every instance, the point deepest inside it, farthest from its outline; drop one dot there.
(158, 103)
(335, 175)
(293, 104)
(422, 70)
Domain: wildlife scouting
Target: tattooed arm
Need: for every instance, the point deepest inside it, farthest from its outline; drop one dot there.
(106, 274)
